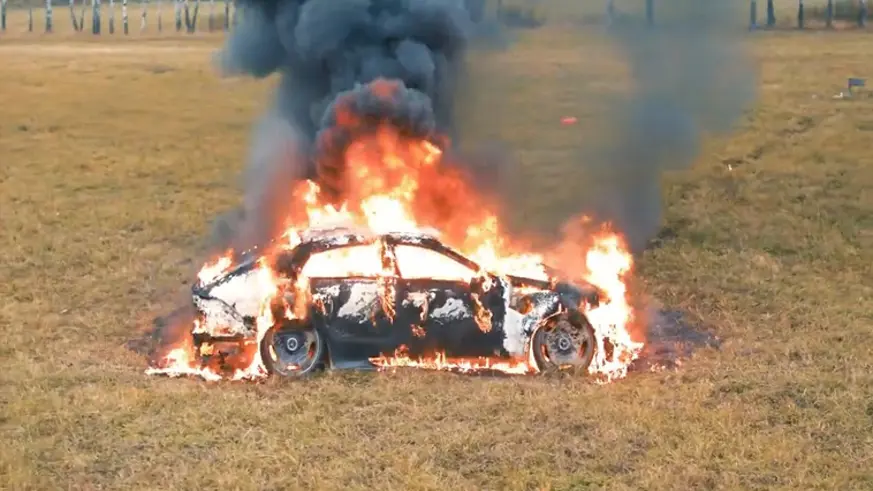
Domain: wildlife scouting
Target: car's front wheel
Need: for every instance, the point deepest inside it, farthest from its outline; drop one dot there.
(292, 349)
(566, 341)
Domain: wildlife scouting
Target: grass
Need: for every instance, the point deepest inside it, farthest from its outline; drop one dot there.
(116, 156)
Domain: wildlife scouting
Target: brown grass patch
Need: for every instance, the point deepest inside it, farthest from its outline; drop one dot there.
(113, 165)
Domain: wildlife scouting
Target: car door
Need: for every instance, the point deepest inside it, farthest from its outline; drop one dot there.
(347, 285)
(436, 309)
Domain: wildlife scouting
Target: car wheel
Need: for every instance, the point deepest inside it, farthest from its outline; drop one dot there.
(292, 349)
(564, 342)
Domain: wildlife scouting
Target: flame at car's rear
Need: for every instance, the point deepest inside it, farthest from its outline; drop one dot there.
(395, 182)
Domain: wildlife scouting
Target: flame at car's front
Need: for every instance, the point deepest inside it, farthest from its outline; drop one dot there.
(395, 183)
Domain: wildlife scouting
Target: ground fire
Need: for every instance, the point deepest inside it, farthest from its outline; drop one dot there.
(384, 179)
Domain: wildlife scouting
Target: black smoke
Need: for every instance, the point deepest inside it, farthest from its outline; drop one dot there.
(325, 51)
(692, 76)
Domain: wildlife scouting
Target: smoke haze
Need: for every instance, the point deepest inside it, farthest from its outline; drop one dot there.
(690, 75)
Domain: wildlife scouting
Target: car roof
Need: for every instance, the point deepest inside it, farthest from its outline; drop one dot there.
(341, 236)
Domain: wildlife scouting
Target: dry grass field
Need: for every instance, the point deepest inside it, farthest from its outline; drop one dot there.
(115, 156)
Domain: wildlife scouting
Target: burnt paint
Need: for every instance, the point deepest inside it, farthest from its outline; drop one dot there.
(353, 339)
(449, 323)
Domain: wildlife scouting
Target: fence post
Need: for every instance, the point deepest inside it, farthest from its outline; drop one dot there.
(829, 14)
(30, 19)
(72, 4)
(48, 16)
(187, 11)
(800, 16)
(771, 14)
(125, 25)
(2, 15)
(111, 16)
(862, 13)
(95, 17)
(82, 16)
(753, 15)
(143, 15)
(650, 12)
(194, 17)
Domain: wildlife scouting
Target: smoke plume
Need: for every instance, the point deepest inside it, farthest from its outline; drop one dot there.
(327, 55)
(691, 76)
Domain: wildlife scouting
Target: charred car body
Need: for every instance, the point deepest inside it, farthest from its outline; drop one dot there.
(346, 298)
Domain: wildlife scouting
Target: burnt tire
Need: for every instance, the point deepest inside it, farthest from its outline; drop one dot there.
(565, 342)
(292, 349)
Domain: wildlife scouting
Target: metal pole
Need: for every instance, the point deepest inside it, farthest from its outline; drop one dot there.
(800, 16)
(771, 14)
(829, 14)
(72, 4)
(48, 15)
(753, 15)
(95, 17)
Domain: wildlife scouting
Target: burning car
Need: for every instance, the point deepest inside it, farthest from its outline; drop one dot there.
(348, 299)
(356, 277)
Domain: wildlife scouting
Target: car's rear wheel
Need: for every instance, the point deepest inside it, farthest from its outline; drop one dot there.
(564, 342)
(292, 349)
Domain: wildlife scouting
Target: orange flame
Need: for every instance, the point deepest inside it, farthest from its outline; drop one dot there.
(461, 365)
(394, 183)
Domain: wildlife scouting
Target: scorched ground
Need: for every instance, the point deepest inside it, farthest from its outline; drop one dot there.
(409, 268)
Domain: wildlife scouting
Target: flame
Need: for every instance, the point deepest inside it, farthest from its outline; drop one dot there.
(608, 263)
(211, 271)
(440, 362)
(397, 183)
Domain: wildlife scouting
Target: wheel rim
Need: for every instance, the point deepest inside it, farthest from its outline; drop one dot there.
(566, 345)
(294, 352)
